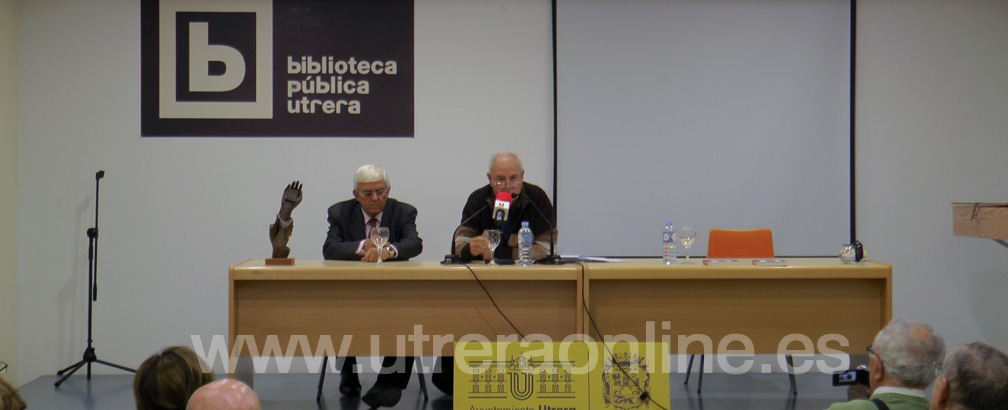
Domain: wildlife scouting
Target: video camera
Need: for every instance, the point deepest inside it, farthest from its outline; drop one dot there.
(855, 376)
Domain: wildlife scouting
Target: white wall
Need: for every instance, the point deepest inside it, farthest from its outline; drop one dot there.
(725, 115)
(8, 188)
(932, 129)
(176, 212)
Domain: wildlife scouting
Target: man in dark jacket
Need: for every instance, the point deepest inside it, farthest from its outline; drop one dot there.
(350, 224)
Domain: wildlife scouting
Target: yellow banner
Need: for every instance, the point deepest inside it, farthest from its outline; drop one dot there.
(561, 376)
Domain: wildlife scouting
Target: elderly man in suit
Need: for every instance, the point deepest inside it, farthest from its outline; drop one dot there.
(351, 220)
(350, 223)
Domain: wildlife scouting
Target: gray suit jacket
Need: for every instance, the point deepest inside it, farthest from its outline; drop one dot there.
(346, 230)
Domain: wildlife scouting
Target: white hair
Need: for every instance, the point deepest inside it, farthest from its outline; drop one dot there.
(370, 173)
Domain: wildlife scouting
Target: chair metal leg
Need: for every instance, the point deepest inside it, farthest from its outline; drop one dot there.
(321, 379)
(689, 368)
(700, 370)
(791, 375)
(418, 365)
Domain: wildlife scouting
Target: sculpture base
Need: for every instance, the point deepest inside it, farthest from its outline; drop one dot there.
(279, 261)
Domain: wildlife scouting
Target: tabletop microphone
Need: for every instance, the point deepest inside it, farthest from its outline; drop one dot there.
(501, 207)
(451, 258)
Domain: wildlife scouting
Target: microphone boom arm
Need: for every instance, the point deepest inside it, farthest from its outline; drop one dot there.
(451, 258)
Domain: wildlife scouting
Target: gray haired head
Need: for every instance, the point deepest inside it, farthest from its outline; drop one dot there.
(909, 351)
(370, 173)
(978, 377)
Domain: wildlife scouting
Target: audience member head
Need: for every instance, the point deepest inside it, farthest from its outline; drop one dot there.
(905, 354)
(166, 380)
(974, 377)
(227, 394)
(506, 173)
(9, 397)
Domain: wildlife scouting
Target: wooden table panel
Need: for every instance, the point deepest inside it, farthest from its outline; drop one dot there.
(811, 297)
(326, 298)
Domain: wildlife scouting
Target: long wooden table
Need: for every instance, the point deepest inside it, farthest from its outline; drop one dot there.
(813, 297)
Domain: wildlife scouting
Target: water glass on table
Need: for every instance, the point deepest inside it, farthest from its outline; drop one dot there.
(379, 237)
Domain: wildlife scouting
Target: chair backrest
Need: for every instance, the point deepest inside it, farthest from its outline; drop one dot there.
(724, 243)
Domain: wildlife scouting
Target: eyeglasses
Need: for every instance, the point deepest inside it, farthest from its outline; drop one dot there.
(501, 181)
(870, 352)
(3, 367)
(381, 193)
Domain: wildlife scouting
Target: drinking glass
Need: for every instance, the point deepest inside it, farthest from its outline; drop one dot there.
(493, 239)
(687, 235)
(379, 237)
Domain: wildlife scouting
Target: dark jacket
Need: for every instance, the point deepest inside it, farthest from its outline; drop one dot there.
(532, 205)
(346, 230)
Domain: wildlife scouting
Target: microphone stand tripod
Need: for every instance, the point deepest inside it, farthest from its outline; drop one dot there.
(89, 352)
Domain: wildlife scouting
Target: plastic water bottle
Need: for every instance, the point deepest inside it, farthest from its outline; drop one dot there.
(669, 240)
(525, 245)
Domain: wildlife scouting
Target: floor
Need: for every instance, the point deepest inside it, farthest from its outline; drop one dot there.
(297, 391)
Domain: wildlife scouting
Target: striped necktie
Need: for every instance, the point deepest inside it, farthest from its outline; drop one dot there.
(371, 224)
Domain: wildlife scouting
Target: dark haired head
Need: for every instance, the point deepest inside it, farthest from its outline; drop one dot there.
(166, 380)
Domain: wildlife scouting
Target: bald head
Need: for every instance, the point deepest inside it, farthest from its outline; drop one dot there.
(506, 174)
(227, 394)
(505, 159)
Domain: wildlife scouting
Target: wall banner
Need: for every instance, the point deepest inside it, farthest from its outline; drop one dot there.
(340, 68)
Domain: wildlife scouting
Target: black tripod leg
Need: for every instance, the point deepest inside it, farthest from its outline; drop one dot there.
(116, 366)
(74, 366)
(73, 369)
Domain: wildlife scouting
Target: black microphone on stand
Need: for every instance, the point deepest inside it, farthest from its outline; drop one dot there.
(552, 258)
(89, 356)
(451, 258)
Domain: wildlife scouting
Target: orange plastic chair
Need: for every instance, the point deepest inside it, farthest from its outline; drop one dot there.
(749, 244)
